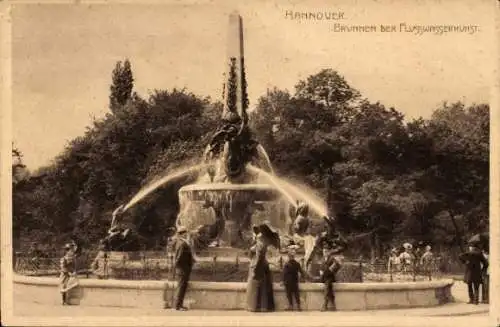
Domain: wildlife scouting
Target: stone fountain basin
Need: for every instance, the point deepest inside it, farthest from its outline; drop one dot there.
(234, 192)
(231, 296)
(216, 268)
(222, 270)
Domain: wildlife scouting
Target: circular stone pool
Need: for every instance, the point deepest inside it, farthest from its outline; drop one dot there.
(231, 296)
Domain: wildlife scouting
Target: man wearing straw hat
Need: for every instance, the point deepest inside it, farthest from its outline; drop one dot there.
(184, 261)
(291, 272)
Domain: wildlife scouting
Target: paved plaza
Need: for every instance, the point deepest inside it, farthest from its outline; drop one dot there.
(459, 311)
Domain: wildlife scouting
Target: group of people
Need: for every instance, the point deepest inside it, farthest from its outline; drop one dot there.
(411, 261)
(260, 293)
(476, 263)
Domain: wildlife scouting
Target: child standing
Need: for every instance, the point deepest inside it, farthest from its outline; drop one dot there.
(291, 272)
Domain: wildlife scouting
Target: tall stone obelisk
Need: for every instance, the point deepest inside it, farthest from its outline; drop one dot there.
(235, 93)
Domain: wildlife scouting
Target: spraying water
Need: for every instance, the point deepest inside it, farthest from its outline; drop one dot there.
(307, 195)
(274, 181)
(262, 152)
(292, 192)
(156, 184)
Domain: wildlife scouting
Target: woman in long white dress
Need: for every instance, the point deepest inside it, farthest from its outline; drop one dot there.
(394, 262)
(407, 258)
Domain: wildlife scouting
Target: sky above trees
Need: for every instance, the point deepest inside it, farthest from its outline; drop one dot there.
(63, 56)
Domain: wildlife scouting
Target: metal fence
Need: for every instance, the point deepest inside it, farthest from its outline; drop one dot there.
(383, 272)
(48, 265)
(149, 265)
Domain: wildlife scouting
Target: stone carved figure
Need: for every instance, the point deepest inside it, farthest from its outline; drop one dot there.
(299, 219)
(330, 239)
(210, 235)
(119, 237)
(230, 149)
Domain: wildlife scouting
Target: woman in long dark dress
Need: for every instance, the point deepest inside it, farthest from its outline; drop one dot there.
(260, 295)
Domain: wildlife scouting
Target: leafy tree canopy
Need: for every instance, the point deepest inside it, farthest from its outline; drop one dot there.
(424, 179)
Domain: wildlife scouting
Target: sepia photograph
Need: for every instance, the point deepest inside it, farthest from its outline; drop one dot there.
(231, 163)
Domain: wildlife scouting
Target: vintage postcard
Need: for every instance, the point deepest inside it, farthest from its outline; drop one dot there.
(213, 163)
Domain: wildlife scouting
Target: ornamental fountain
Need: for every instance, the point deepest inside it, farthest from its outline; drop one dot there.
(237, 188)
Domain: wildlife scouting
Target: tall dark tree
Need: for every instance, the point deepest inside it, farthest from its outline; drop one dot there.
(121, 87)
(244, 85)
(327, 87)
(232, 87)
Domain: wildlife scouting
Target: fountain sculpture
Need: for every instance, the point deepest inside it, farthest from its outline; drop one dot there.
(229, 194)
(235, 189)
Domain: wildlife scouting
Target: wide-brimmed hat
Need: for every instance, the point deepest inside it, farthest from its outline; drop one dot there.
(269, 234)
(407, 246)
(266, 225)
(479, 240)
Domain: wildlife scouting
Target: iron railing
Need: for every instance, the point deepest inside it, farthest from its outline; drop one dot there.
(149, 265)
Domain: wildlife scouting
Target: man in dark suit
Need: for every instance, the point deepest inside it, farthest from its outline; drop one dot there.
(329, 269)
(475, 266)
(184, 261)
